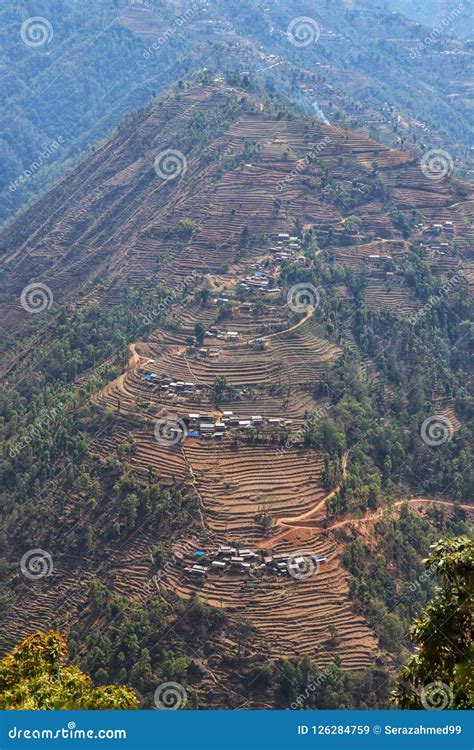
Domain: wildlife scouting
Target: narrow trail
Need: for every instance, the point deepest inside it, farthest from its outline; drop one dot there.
(320, 504)
(308, 315)
(450, 503)
(372, 517)
(133, 363)
(306, 520)
(193, 483)
(292, 521)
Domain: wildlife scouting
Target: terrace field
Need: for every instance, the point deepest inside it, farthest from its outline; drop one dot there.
(259, 419)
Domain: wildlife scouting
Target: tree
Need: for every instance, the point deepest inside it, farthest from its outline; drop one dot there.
(440, 673)
(203, 296)
(334, 637)
(186, 227)
(199, 332)
(34, 675)
(353, 223)
(244, 631)
(244, 236)
(220, 387)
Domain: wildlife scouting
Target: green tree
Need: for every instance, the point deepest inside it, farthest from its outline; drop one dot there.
(34, 675)
(220, 387)
(353, 223)
(203, 296)
(199, 332)
(440, 672)
(244, 236)
(186, 227)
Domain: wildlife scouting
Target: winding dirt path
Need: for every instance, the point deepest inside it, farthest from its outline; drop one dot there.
(308, 315)
(292, 522)
(307, 520)
(133, 363)
(372, 517)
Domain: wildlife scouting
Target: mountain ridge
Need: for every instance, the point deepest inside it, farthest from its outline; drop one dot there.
(360, 73)
(188, 236)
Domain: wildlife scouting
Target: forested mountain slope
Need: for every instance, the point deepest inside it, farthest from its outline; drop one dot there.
(232, 325)
(70, 76)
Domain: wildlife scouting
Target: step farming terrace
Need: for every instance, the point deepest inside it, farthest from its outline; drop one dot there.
(269, 282)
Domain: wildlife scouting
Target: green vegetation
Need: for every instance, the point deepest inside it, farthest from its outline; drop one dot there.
(34, 675)
(107, 53)
(71, 482)
(302, 685)
(380, 418)
(389, 583)
(145, 644)
(439, 674)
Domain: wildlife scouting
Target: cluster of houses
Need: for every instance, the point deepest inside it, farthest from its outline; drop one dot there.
(209, 351)
(236, 560)
(227, 335)
(446, 229)
(168, 386)
(285, 247)
(213, 332)
(209, 426)
(378, 261)
(239, 308)
(260, 277)
(442, 248)
(436, 228)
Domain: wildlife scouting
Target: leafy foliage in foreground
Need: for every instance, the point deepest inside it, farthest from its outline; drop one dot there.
(34, 675)
(389, 584)
(444, 631)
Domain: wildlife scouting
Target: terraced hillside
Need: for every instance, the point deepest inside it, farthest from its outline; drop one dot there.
(262, 297)
(114, 220)
(359, 65)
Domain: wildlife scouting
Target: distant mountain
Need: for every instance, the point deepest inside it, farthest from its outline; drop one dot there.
(68, 78)
(443, 16)
(90, 225)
